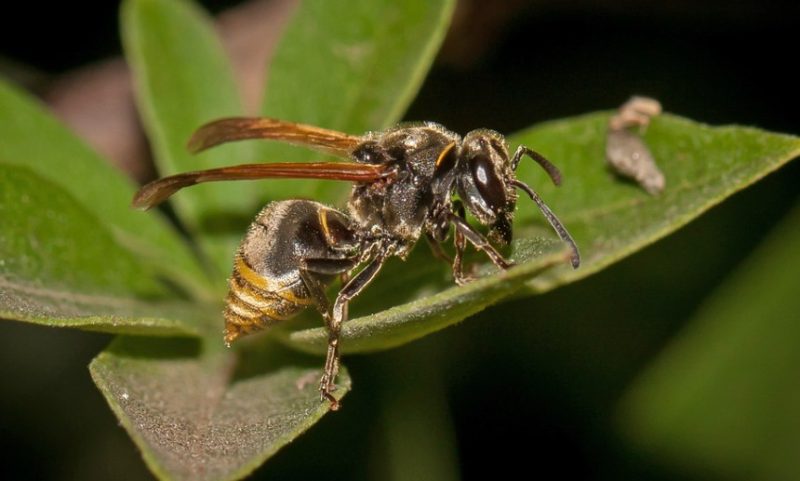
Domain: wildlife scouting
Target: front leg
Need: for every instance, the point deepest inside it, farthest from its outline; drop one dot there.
(479, 241)
(436, 248)
(464, 233)
(461, 244)
(458, 260)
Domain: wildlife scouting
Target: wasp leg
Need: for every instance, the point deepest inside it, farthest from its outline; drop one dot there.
(316, 287)
(312, 268)
(348, 292)
(345, 278)
(461, 244)
(436, 248)
(480, 242)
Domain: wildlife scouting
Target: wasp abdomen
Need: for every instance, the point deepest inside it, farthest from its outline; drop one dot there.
(266, 285)
(255, 302)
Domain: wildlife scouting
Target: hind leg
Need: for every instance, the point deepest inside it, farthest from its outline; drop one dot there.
(339, 315)
(312, 272)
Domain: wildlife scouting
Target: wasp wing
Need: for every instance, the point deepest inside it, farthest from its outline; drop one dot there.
(157, 191)
(241, 128)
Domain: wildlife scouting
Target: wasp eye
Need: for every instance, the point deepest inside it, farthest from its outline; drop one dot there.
(489, 185)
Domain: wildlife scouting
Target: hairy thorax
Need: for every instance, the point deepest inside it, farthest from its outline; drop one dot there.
(398, 206)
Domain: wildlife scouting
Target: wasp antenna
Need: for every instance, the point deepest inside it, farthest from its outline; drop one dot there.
(552, 170)
(553, 220)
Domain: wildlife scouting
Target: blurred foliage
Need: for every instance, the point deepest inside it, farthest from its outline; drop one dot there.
(183, 79)
(724, 396)
(104, 192)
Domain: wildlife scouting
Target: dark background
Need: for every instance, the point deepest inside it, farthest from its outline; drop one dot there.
(531, 385)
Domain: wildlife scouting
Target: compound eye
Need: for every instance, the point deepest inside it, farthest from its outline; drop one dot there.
(489, 185)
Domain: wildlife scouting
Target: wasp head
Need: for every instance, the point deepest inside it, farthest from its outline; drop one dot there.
(484, 182)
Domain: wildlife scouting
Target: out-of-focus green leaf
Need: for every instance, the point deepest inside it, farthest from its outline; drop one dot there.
(31, 138)
(59, 266)
(416, 421)
(611, 218)
(184, 80)
(724, 397)
(352, 68)
(199, 413)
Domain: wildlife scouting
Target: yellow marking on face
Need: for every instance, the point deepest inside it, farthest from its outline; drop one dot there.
(444, 153)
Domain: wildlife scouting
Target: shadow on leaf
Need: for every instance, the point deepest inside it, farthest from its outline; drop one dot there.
(264, 355)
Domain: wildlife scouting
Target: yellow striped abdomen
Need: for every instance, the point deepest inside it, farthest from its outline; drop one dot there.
(266, 285)
(255, 302)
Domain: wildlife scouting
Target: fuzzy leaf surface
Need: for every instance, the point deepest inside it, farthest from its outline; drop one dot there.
(199, 412)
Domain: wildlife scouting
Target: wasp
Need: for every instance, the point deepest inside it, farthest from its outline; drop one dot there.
(408, 181)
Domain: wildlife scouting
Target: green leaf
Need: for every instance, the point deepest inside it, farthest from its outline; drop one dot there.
(197, 413)
(723, 397)
(369, 60)
(609, 219)
(352, 69)
(183, 80)
(59, 266)
(432, 312)
(32, 138)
